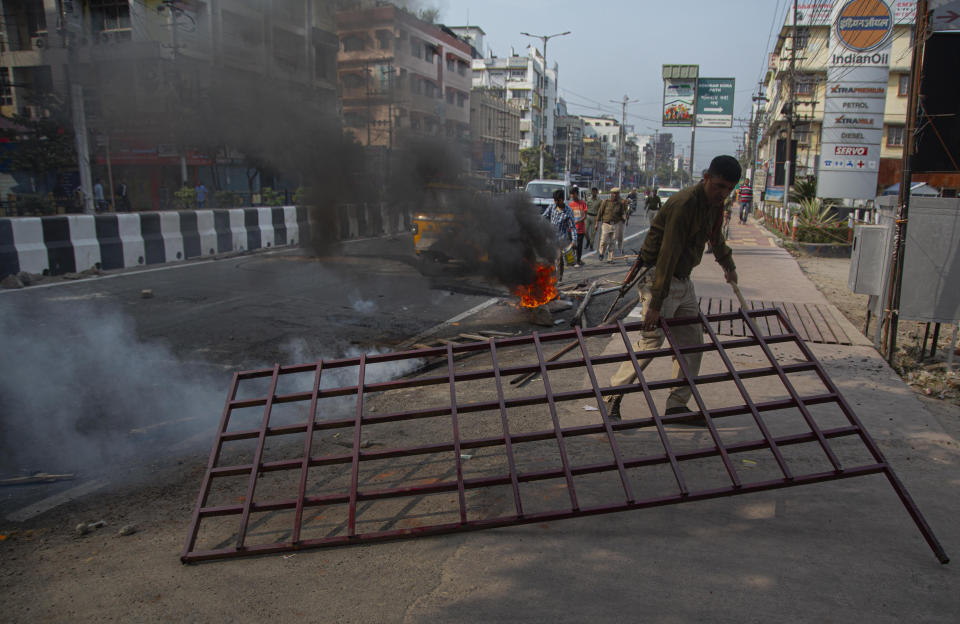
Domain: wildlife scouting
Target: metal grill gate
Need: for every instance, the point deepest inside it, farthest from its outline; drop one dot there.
(277, 479)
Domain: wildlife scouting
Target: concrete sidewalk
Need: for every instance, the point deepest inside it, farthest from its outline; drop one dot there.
(845, 551)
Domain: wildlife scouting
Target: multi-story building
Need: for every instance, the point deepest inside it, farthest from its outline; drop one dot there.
(146, 70)
(810, 50)
(642, 141)
(594, 167)
(495, 133)
(525, 81)
(606, 130)
(472, 35)
(568, 142)
(400, 74)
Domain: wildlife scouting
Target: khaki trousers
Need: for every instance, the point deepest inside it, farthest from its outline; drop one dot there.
(607, 233)
(680, 301)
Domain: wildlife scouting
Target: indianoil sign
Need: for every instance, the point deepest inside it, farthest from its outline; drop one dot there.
(864, 25)
(858, 69)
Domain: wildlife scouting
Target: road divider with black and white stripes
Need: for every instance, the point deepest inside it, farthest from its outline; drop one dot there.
(72, 243)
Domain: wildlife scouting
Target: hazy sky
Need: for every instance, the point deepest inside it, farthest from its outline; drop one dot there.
(617, 47)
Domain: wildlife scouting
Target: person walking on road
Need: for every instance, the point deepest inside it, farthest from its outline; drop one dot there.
(673, 247)
(631, 204)
(201, 191)
(100, 204)
(652, 203)
(612, 212)
(579, 209)
(123, 201)
(561, 218)
(593, 208)
(746, 199)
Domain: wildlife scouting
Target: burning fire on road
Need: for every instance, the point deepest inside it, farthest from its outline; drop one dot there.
(542, 290)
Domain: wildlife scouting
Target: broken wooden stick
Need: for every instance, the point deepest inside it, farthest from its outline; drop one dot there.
(578, 315)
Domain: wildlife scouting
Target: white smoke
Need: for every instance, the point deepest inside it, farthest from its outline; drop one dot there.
(80, 392)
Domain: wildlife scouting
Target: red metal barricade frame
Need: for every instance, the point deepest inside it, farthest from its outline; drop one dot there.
(352, 495)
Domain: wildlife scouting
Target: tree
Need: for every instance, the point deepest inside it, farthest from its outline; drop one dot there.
(44, 146)
(530, 164)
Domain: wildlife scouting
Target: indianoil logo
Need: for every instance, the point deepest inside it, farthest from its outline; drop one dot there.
(863, 25)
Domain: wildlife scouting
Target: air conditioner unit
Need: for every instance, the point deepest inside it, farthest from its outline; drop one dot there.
(38, 42)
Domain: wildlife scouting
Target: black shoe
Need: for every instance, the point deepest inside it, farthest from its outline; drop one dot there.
(613, 407)
(695, 419)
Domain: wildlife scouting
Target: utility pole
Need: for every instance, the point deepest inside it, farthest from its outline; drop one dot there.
(906, 182)
(622, 138)
(793, 106)
(79, 117)
(693, 130)
(175, 11)
(544, 100)
(759, 100)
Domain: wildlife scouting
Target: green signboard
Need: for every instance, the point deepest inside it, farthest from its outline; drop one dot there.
(715, 102)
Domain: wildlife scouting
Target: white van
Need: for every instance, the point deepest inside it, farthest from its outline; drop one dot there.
(541, 191)
(665, 193)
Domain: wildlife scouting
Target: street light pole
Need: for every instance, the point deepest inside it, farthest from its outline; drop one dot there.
(622, 137)
(544, 101)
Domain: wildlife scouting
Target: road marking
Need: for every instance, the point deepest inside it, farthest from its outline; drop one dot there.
(456, 319)
(30, 511)
(625, 239)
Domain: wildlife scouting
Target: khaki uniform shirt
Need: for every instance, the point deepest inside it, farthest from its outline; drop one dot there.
(612, 211)
(677, 236)
(593, 206)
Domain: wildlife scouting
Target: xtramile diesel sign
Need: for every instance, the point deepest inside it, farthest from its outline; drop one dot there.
(857, 75)
(715, 102)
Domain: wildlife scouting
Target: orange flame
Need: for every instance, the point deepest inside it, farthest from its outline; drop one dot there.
(542, 290)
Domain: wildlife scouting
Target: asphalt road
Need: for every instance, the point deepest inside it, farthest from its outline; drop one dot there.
(105, 379)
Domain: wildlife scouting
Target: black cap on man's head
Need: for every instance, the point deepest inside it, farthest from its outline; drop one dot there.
(726, 167)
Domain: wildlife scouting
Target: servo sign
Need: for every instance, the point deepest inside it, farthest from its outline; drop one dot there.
(849, 150)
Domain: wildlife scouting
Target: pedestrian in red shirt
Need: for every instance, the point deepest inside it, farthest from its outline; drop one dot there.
(579, 209)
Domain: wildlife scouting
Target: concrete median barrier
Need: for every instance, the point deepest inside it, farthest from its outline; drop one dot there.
(65, 244)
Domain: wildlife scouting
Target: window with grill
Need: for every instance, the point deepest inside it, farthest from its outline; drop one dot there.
(353, 43)
(903, 89)
(110, 15)
(354, 120)
(352, 81)
(894, 136)
(384, 38)
(6, 89)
